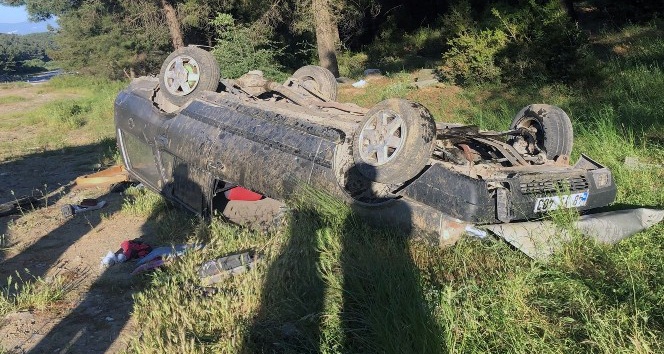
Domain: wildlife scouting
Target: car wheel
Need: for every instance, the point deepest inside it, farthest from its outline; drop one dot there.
(316, 82)
(551, 126)
(186, 73)
(394, 142)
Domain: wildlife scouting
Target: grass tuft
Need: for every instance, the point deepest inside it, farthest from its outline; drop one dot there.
(36, 294)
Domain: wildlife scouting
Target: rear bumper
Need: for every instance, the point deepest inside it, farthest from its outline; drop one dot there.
(480, 202)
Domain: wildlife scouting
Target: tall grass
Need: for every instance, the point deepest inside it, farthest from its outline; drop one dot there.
(36, 294)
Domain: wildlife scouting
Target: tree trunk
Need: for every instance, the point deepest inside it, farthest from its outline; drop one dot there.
(173, 24)
(327, 35)
(568, 6)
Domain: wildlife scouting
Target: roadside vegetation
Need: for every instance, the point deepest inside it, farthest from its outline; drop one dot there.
(327, 282)
(26, 54)
(67, 111)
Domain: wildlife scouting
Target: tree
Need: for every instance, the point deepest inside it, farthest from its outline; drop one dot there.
(327, 35)
(44, 9)
(174, 27)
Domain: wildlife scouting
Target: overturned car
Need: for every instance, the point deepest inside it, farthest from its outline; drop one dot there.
(190, 136)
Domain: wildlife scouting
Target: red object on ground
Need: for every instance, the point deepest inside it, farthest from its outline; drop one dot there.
(239, 193)
(135, 249)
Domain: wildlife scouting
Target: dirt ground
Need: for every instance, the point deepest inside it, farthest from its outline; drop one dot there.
(95, 315)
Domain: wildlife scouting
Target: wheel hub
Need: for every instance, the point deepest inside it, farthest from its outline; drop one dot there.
(382, 138)
(182, 75)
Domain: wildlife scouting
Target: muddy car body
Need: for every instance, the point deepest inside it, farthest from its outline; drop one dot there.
(392, 161)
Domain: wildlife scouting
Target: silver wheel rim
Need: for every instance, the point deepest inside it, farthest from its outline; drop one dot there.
(382, 138)
(182, 75)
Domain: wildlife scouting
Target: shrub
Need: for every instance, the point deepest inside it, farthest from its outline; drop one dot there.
(525, 41)
(472, 56)
(352, 65)
(241, 48)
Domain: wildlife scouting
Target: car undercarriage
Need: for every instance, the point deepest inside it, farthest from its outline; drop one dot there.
(189, 137)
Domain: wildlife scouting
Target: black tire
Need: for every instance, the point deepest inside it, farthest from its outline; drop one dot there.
(317, 78)
(552, 128)
(178, 84)
(407, 154)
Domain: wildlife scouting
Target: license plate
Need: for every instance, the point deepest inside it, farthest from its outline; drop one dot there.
(561, 201)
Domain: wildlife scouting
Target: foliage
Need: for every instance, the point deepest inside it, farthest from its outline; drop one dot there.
(544, 43)
(352, 65)
(20, 54)
(471, 57)
(100, 39)
(241, 48)
(530, 40)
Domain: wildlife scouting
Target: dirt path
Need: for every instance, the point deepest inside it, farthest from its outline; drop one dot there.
(95, 315)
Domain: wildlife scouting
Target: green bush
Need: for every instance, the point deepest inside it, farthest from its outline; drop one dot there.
(240, 48)
(351, 64)
(528, 40)
(544, 43)
(472, 56)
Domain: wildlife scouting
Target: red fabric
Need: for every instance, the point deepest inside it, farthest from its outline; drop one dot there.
(239, 193)
(135, 249)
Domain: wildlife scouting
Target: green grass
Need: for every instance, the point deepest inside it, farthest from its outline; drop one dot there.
(81, 110)
(11, 99)
(36, 294)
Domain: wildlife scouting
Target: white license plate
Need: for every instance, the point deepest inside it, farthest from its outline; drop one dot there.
(561, 201)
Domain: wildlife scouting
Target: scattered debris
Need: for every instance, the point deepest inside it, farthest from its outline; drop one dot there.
(475, 232)
(109, 259)
(135, 249)
(372, 72)
(109, 176)
(426, 83)
(153, 264)
(216, 270)
(424, 75)
(69, 210)
(168, 252)
(15, 207)
(360, 84)
(540, 239)
(344, 80)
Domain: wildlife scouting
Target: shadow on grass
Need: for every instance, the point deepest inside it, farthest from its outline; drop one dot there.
(343, 284)
(289, 318)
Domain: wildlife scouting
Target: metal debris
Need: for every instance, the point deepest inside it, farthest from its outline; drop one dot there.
(540, 239)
